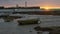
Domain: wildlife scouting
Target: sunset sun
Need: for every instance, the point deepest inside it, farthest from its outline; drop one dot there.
(46, 8)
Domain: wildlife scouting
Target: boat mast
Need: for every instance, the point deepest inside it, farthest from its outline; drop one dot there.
(16, 8)
(25, 3)
(17, 5)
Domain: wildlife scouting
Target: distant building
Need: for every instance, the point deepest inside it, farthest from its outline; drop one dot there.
(25, 9)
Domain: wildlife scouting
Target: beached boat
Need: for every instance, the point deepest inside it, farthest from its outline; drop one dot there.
(27, 21)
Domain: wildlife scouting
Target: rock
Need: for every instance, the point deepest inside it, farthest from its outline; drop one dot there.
(37, 28)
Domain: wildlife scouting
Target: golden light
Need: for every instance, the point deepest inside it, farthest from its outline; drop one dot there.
(46, 8)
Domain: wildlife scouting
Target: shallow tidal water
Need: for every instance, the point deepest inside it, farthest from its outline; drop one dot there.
(14, 28)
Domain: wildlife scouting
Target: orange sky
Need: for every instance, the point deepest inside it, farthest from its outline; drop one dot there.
(50, 6)
(41, 6)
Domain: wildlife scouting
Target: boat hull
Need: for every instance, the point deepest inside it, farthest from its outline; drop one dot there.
(27, 22)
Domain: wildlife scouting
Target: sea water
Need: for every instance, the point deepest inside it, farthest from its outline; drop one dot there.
(14, 28)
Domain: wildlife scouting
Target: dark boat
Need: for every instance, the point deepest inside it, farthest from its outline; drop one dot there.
(28, 21)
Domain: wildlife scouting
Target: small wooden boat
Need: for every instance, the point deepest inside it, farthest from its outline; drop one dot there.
(27, 21)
